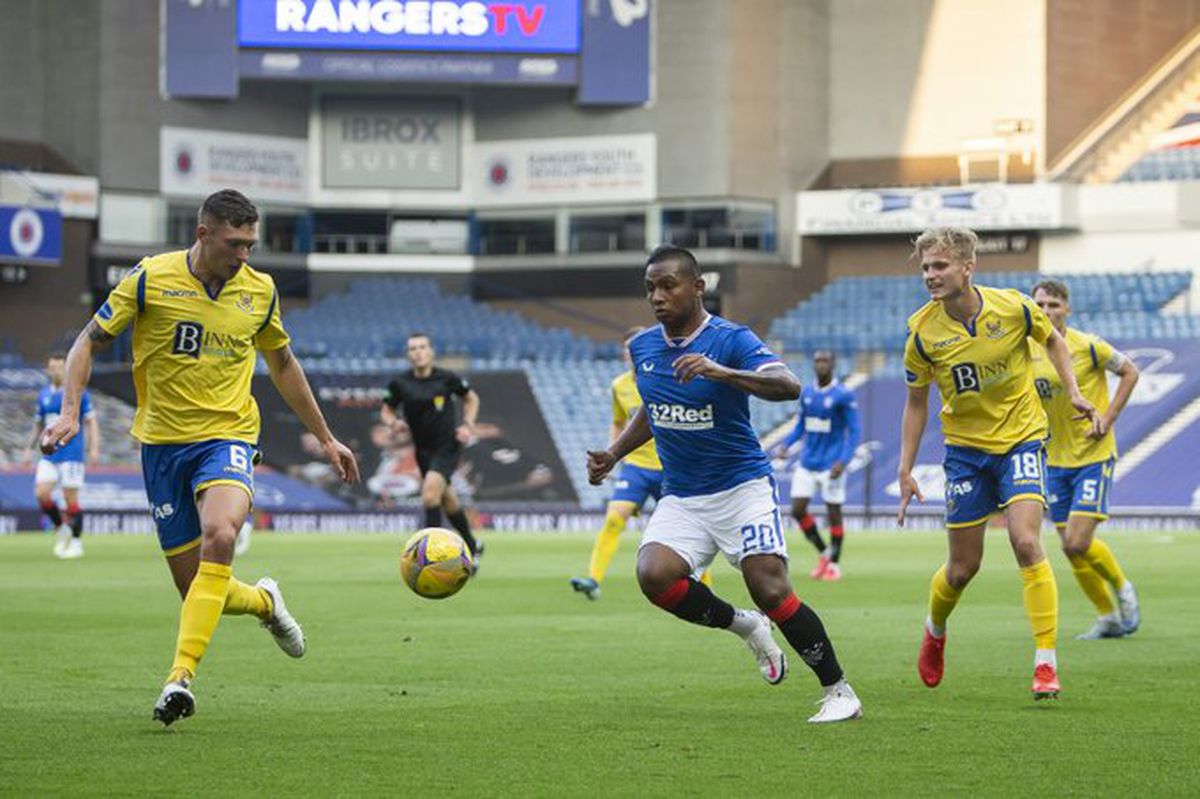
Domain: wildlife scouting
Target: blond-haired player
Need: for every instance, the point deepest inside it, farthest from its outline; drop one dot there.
(1080, 463)
(974, 342)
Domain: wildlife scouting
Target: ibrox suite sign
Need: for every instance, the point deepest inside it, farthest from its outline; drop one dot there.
(452, 25)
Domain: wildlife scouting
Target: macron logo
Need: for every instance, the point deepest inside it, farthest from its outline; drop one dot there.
(680, 417)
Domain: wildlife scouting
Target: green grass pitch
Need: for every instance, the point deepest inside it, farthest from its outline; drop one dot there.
(518, 687)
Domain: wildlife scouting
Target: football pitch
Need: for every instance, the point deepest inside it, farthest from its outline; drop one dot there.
(518, 687)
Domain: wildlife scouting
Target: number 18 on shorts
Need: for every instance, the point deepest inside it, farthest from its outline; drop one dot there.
(980, 483)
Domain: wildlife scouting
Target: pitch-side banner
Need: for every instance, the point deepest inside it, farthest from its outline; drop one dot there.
(552, 171)
(1037, 206)
(195, 163)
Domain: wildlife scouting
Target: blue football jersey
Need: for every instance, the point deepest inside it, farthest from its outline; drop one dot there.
(702, 428)
(828, 423)
(48, 410)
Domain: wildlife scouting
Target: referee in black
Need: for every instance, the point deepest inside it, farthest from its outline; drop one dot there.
(424, 395)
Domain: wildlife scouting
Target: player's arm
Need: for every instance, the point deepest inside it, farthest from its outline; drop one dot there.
(912, 427)
(797, 433)
(391, 402)
(1060, 356)
(774, 381)
(35, 442)
(470, 414)
(93, 439)
(1128, 375)
(291, 383)
(636, 433)
(850, 442)
(92, 339)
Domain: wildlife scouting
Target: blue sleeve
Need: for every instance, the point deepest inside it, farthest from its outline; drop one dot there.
(798, 432)
(850, 442)
(748, 353)
(85, 405)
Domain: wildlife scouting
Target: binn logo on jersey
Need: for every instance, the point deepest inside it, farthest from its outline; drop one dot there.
(188, 336)
(680, 417)
(1044, 389)
(966, 377)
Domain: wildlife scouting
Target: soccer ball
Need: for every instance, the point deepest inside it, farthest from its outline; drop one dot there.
(436, 563)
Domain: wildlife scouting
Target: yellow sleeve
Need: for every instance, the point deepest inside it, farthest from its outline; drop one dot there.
(272, 336)
(618, 409)
(1101, 352)
(1037, 324)
(918, 369)
(123, 303)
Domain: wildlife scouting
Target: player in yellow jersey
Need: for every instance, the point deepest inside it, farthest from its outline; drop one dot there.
(639, 479)
(1079, 471)
(974, 342)
(200, 317)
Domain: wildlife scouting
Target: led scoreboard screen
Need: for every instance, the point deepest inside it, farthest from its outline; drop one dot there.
(599, 47)
(551, 26)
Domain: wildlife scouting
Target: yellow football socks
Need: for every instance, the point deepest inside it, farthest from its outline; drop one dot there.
(942, 599)
(1093, 585)
(244, 599)
(1102, 559)
(198, 620)
(607, 541)
(706, 577)
(1040, 592)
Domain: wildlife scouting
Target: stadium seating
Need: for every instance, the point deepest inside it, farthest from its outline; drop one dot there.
(373, 318)
(858, 314)
(1178, 163)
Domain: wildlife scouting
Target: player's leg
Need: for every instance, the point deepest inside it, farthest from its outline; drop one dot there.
(963, 558)
(74, 517)
(1061, 483)
(433, 487)
(1039, 591)
(675, 545)
(803, 488)
(458, 518)
(834, 493)
(1088, 509)
(1074, 537)
(44, 483)
(616, 516)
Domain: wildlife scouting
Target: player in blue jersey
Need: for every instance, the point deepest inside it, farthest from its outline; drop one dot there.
(828, 423)
(63, 469)
(695, 373)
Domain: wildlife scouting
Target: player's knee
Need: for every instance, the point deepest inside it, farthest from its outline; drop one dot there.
(959, 574)
(44, 496)
(1074, 547)
(431, 496)
(799, 508)
(1028, 551)
(654, 577)
(768, 595)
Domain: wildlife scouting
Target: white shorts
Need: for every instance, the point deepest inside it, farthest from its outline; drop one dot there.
(739, 522)
(806, 483)
(68, 474)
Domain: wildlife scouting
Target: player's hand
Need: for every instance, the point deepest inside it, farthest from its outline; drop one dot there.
(342, 460)
(599, 464)
(57, 433)
(1088, 411)
(1101, 429)
(688, 367)
(399, 426)
(908, 490)
(464, 433)
(835, 471)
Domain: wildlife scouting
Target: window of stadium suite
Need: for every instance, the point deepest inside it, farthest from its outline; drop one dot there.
(516, 236)
(350, 233)
(608, 232)
(738, 226)
(279, 231)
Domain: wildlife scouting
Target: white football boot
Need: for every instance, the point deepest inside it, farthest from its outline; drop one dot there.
(73, 549)
(62, 537)
(1131, 611)
(1105, 627)
(772, 662)
(840, 703)
(282, 625)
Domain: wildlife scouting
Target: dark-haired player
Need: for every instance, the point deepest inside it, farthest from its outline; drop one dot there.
(425, 395)
(200, 317)
(695, 374)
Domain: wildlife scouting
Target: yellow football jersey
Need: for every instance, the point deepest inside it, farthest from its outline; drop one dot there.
(193, 355)
(626, 401)
(1069, 444)
(982, 369)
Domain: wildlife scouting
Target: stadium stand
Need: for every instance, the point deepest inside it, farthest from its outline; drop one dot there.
(1177, 163)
